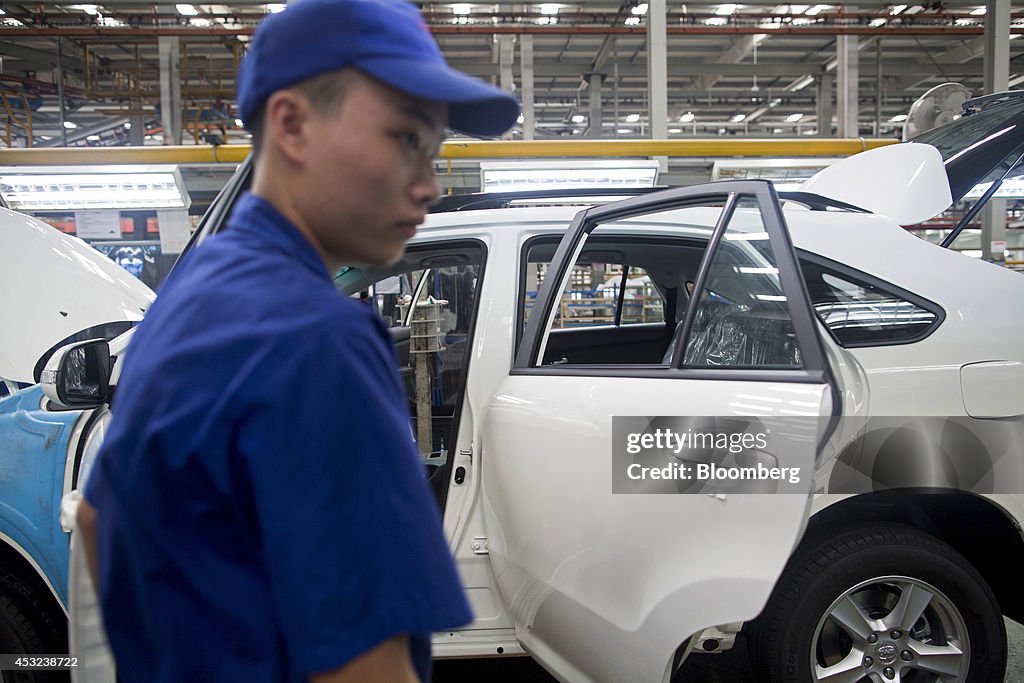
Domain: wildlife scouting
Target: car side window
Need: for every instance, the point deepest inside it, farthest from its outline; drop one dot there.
(861, 312)
(742, 317)
(594, 295)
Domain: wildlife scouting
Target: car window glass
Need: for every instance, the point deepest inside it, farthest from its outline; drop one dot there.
(742, 318)
(859, 313)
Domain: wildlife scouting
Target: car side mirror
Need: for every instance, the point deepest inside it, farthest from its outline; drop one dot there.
(78, 375)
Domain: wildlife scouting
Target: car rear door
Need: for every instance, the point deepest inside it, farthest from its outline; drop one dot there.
(607, 574)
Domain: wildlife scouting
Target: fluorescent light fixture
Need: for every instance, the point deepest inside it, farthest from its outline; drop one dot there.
(798, 9)
(977, 11)
(675, 131)
(520, 119)
(793, 118)
(897, 9)
(2, 12)
(200, 22)
(515, 176)
(276, 7)
(578, 118)
(640, 9)
(776, 131)
(714, 21)
(89, 9)
(687, 117)
(70, 124)
(239, 123)
(57, 188)
(623, 131)
(128, 125)
(739, 118)
(725, 10)
(92, 138)
(549, 8)
(875, 23)
(632, 21)
(461, 8)
(186, 10)
(816, 10)
(899, 118)
(632, 118)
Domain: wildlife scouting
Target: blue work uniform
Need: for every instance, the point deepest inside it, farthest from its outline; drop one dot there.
(263, 512)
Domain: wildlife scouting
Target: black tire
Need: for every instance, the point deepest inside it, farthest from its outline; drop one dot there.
(28, 627)
(857, 575)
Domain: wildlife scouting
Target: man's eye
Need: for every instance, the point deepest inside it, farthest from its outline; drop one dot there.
(410, 140)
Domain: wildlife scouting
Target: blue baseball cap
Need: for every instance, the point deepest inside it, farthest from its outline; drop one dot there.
(386, 39)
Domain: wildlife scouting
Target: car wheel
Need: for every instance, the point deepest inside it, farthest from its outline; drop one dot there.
(26, 628)
(886, 604)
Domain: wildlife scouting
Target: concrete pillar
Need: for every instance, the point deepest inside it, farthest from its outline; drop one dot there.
(526, 78)
(824, 85)
(594, 93)
(170, 88)
(997, 76)
(848, 73)
(506, 54)
(657, 74)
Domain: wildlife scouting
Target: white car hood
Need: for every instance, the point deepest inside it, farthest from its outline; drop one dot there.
(905, 182)
(54, 286)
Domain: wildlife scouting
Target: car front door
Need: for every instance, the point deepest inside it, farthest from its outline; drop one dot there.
(607, 567)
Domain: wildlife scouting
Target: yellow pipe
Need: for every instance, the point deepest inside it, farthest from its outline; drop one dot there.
(484, 149)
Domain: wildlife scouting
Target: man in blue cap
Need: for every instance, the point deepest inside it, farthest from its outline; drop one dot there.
(259, 509)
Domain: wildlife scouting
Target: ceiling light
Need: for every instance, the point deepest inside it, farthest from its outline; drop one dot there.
(186, 10)
(200, 22)
(816, 10)
(675, 131)
(89, 9)
(520, 119)
(579, 118)
(776, 131)
(513, 176)
(798, 9)
(899, 118)
(714, 21)
(632, 118)
(49, 188)
(128, 125)
(721, 131)
(623, 131)
(70, 124)
(632, 21)
(276, 7)
(875, 23)
(977, 12)
(549, 8)
(802, 83)
(687, 117)
(93, 138)
(2, 12)
(739, 118)
(239, 123)
(461, 8)
(897, 9)
(725, 10)
(640, 9)
(793, 118)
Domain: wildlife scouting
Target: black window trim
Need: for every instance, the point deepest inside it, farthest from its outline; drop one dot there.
(888, 287)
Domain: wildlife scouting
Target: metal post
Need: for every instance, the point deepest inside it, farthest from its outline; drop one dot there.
(526, 74)
(657, 74)
(825, 105)
(997, 76)
(170, 89)
(60, 92)
(594, 93)
(878, 85)
(846, 92)
(505, 56)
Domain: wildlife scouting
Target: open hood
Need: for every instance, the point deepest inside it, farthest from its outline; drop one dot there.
(56, 288)
(920, 179)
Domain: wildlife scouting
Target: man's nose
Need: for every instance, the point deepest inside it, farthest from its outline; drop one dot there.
(426, 187)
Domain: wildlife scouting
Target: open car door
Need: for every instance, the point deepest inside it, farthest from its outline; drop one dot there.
(606, 567)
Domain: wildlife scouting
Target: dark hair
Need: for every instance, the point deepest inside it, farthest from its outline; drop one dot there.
(324, 91)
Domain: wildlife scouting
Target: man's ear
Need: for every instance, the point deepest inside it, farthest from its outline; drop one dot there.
(286, 125)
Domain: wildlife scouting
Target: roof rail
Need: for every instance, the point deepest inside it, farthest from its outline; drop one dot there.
(502, 200)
